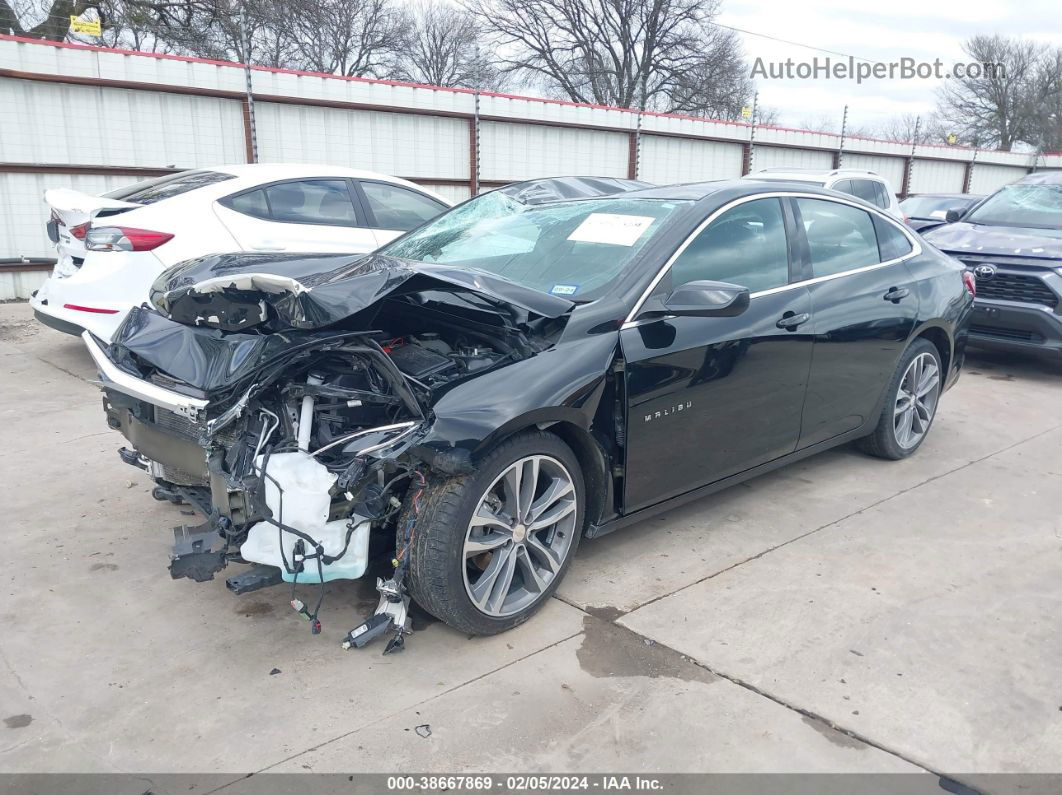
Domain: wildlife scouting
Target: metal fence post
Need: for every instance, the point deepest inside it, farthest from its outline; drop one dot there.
(250, 133)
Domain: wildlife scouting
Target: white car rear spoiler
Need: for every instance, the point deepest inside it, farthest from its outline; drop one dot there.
(65, 200)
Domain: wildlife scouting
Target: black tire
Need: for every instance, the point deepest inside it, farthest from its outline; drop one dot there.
(883, 443)
(436, 578)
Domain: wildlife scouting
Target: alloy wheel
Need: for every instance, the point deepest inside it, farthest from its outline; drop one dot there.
(916, 400)
(520, 535)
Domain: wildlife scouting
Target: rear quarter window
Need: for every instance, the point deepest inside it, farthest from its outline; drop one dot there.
(892, 243)
(252, 203)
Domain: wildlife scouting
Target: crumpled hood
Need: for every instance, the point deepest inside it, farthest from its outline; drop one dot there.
(964, 239)
(282, 292)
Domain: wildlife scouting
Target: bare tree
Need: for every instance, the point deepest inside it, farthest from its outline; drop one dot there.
(821, 123)
(348, 37)
(911, 128)
(654, 54)
(55, 24)
(1047, 103)
(996, 109)
(767, 116)
(356, 38)
(717, 84)
(442, 48)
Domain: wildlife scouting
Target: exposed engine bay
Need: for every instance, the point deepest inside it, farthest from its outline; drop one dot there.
(300, 447)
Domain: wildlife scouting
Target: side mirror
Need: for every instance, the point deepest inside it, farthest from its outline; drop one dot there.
(951, 216)
(707, 299)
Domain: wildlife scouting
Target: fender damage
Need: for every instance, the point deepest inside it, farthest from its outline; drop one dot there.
(299, 403)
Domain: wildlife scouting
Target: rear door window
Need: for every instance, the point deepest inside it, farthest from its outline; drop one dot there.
(398, 208)
(311, 201)
(155, 190)
(883, 195)
(867, 190)
(840, 237)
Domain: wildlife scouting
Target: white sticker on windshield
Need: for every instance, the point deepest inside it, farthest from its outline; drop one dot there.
(612, 229)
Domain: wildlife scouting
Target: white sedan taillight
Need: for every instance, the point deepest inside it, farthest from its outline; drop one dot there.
(121, 238)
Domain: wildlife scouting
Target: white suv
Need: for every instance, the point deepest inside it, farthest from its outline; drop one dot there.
(865, 185)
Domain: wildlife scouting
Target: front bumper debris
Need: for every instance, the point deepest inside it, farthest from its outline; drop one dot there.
(111, 377)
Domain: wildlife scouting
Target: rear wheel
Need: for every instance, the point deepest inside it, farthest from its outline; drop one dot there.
(490, 548)
(910, 405)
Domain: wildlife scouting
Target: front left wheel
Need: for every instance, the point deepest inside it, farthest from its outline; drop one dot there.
(490, 548)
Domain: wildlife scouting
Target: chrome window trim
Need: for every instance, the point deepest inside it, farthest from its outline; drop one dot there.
(916, 247)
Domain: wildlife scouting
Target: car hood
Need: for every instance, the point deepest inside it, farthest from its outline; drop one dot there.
(283, 292)
(1011, 241)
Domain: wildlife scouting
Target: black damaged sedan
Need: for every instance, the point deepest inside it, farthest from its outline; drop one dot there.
(521, 372)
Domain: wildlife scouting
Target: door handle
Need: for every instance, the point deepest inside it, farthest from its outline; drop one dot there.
(268, 245)
(897, 294)
(790, 320)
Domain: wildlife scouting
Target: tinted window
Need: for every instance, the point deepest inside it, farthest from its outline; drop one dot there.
(155, 190)
(883, 195)
(251, 203)
(746, 245)
(311, 201)
(867, 190)
(892, 243)
(399, 208)
(843, 186)
(840, 237)
(928, 206)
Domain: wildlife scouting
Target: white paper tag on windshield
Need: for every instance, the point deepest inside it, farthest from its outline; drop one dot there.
(612, 229)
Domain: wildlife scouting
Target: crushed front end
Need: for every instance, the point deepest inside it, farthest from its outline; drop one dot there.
(297, 437)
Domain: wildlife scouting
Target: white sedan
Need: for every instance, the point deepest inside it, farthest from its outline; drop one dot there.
(112, 247)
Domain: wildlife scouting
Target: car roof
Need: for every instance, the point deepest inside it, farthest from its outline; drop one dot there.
(813, 174)
(1042, 178)
(266, 171)
(251, 174)
(695, 191)
(555, 189)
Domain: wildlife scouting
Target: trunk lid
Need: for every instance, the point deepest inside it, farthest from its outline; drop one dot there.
(72, 209)
(83, 205)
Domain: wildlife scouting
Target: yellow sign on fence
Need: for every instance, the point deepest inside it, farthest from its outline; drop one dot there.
(746, 112)
(90, 27)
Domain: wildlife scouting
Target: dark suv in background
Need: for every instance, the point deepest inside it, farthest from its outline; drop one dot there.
(1012, 242)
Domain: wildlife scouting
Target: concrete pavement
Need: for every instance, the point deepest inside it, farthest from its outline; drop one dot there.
(843, 614)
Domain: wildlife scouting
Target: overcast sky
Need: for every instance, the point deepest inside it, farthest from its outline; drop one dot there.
(886, 31)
